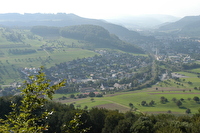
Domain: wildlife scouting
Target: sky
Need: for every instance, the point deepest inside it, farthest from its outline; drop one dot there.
(104, 9)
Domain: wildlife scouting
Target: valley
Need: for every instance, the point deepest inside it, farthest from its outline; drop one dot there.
(115, 65)
(100, 66)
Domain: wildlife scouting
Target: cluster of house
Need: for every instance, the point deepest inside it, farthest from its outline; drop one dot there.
(102, 88)
(175, 58)
(174, 48)
(107, 66)
(30, 71)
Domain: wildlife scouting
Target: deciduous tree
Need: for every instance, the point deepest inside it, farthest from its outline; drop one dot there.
(196, 99)
(131, 106)
(34, 94)
(178, 103)
(188, 111)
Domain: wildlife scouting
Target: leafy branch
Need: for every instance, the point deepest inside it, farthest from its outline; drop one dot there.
(26, 117)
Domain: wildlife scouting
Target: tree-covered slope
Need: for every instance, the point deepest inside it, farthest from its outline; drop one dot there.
(97, 36)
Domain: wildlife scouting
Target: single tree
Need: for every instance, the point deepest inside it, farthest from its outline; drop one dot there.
(169, 111)
(174, 99)
(85, 107)
(182, 99)
(163, 99)
(143, 103)
(178, 103)
(72, 96)
(151, 103)
(188, 111)
(91, 94)
(92, 99)
(131, 106)
(196, 99)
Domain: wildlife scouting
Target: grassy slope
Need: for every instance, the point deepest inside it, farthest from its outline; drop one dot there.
(60, 54)
(197, 70)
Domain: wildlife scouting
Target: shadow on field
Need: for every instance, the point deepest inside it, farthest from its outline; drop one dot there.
(182, 107)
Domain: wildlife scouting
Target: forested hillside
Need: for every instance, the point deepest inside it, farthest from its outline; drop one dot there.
(90, 33)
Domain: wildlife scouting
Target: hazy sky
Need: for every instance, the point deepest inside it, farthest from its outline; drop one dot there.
(102, 9)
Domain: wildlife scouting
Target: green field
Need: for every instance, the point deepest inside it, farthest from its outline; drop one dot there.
(56, 57)
(60, 50)
(121, 101)
(197, 70)
(183, 82)
(169, 90)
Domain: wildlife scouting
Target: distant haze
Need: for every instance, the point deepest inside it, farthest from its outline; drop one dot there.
(103, 9)
(143, 21)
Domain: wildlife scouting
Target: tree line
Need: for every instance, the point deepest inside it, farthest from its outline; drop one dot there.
(101, 120)
(21, 51)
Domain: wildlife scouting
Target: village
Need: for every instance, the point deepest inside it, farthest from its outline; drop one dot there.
(110, 66)
(173, 48)
(106, 66)
(116, 67)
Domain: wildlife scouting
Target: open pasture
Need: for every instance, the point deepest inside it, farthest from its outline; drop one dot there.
(171, 89)
(120, 101)
(186, 81)
(197, 70)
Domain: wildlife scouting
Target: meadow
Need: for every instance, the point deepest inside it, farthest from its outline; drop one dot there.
(169, 90)
(49, 51)
(197, 70)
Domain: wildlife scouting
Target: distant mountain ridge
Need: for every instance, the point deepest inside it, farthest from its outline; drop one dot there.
(143, 21)
(181, 23)
(62, 20)
(189, 26)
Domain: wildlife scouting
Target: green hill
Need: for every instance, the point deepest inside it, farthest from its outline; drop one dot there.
(96, 36)
(187, 26)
